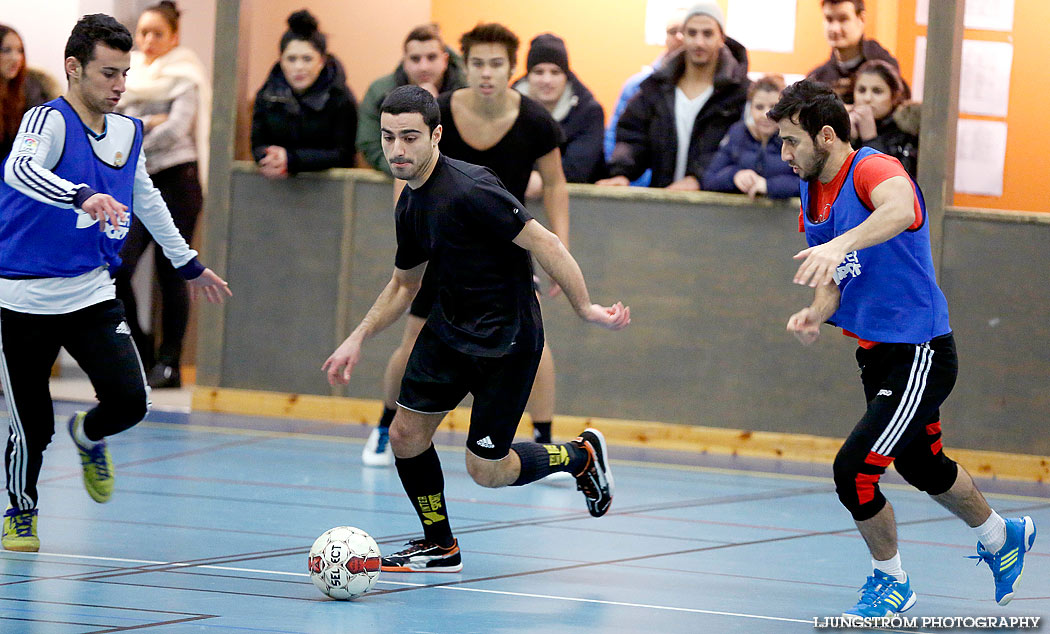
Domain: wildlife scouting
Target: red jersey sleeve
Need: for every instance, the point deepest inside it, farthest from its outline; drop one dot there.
(871, 171)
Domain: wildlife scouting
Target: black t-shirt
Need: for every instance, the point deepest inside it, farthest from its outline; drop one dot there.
(462, 221)
(534, 134)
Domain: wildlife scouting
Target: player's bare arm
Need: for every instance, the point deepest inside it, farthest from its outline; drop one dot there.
(894, 202)
(805, 324)
(555, 199)
(388, 307)
(556, 260)
(555, 194)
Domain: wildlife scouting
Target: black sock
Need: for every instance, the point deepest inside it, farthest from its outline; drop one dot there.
(425, 485)
(541, 431)
(539, 461)
(387, 417)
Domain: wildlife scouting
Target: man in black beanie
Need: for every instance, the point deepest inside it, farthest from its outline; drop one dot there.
(549, 81)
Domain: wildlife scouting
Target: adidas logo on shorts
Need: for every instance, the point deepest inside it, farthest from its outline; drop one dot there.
(486, 442)
(123, 328)
(885, 393)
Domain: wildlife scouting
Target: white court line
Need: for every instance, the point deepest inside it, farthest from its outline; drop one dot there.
(459, 588)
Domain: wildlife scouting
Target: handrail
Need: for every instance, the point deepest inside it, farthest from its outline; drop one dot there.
(644, 194)
(999, 215)
(648, 194)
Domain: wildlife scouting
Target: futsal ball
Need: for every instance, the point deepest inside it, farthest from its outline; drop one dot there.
(344, 562)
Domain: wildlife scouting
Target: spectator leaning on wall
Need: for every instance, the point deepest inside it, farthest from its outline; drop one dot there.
(676, 121)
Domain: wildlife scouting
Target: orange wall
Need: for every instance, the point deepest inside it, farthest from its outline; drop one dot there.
(1027, 160)
(606, 41)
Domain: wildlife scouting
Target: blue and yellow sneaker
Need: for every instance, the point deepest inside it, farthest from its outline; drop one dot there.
(882, 595)
(20, 531)
(1008, 564)
(97, 465)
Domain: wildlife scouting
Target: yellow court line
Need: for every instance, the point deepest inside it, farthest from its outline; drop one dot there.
(218, 429)
(650, 434)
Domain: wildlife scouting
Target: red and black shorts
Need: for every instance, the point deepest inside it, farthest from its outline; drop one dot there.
(904, 385)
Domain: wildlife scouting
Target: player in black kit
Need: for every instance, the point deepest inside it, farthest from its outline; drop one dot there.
(483, 335)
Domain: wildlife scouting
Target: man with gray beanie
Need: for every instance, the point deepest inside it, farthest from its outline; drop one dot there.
(549, 81)
(681, 112)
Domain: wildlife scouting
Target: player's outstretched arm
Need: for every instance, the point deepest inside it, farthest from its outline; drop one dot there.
(805, 324)
(555, 259)
(389, 306)
(894, 202)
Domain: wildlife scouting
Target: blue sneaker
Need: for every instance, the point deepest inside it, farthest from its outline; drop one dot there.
(1008, 564)
(882, 595)
(377, 451)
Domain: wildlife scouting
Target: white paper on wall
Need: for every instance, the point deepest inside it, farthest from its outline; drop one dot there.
(657, 13)
(918, 73)
(984, 82)
(987, 15)
(980, 156)
(762, 25)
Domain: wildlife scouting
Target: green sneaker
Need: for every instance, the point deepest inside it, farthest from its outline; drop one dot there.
(98, 466)
(20, 531)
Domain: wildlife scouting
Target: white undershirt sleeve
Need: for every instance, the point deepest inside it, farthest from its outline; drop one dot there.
(37, 148)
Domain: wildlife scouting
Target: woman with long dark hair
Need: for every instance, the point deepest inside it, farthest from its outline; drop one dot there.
(21, 88)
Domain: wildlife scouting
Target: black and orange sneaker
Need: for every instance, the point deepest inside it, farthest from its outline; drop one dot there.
(424, 556)
(596, 480)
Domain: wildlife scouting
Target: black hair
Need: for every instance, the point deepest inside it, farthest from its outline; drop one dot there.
(815, 105)
(889, 74)
(302, 25)
(168, 11)
(97, 28)
(491, 33)
(409, 98)
(424, 33)
(858, 5)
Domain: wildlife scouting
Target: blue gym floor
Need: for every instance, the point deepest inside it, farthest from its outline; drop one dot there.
(213, 515)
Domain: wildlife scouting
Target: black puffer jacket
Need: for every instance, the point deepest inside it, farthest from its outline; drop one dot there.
(898, 136)
(841, 79)
(317, 127)
(646, 136)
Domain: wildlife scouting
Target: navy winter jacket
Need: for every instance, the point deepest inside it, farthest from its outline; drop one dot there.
(741, 151)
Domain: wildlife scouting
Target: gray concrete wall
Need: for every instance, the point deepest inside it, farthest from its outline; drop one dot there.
(708, 279)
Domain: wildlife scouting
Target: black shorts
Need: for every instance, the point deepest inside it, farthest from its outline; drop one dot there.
(439, 377)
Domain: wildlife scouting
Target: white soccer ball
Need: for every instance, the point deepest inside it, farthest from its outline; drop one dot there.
(344, 562)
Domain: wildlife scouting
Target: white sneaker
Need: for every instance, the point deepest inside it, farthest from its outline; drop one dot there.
(559, 479)
(377, 452)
